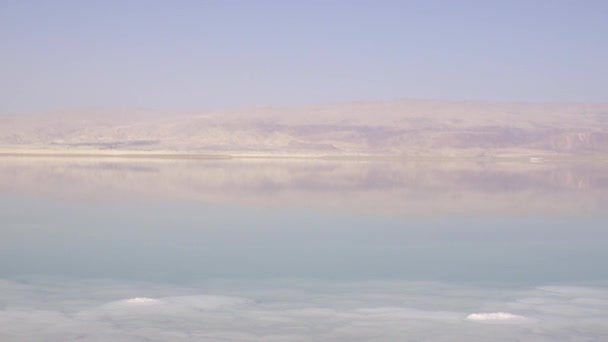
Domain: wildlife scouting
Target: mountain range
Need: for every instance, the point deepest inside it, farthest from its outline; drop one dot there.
(391, 128)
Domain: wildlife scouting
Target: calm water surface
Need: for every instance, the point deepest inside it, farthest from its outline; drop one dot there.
(304, 250)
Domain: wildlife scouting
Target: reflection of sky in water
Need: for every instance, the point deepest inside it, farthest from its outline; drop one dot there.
(189, 267)
(194, 240)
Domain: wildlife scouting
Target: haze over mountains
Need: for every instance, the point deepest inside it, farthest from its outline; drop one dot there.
(397, 128)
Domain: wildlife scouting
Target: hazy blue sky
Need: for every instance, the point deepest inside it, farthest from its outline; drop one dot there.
(189, 55)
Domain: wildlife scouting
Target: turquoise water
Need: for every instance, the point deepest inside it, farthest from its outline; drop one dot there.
(323, 250)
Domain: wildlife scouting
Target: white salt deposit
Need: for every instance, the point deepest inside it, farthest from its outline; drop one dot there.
(142, 300)
(494, 316)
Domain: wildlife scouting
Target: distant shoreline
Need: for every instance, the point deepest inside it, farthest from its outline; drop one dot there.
(207, 156)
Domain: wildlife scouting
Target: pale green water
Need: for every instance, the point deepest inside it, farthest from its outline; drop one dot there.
(312, 251)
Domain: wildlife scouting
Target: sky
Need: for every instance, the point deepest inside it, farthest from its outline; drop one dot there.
(192, 55)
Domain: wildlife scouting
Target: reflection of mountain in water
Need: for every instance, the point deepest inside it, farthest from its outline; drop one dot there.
(380, 186)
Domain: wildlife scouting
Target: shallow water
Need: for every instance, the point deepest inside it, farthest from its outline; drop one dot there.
(302, 250)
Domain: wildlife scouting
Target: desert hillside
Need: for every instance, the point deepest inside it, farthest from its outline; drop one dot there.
(398, 128)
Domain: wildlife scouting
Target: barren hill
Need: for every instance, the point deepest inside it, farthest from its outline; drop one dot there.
(406, 127)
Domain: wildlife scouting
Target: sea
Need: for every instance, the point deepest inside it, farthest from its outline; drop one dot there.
(302, 249)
